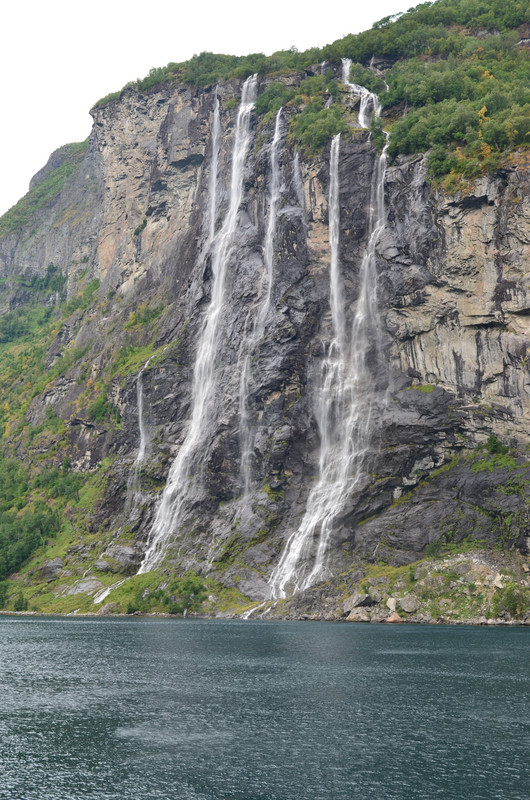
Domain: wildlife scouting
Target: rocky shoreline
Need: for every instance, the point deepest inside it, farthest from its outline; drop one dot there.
(475, 588)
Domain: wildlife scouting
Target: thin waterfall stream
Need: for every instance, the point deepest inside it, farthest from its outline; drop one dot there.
(343, 407)
(298, 182)
(212, 184)
(246, 428)
(368, 98)
(133, 483)
(173, 497)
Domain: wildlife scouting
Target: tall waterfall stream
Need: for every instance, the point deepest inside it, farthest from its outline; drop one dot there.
(133, 483)
(343, 400)
(258, 329)
(174, 494)
(343, 406)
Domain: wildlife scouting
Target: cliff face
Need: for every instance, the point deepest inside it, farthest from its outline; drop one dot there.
(450, 373)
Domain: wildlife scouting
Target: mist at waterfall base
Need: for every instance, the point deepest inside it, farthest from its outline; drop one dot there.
(260, 711)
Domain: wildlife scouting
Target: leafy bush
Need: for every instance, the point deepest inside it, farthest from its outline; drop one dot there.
(467, 107)
(183, 594)
(59, 483)
(273, 98)
(143, 315)
(83, 298)
(434, 548)
(29, 511)
(21, 604)
(53, 281)
(510, 600)
(514, 600)
(378, 136)
(466, 97)
(100, 409)
(315, 126)
(365, 77)
(22, 323)
(137, 231)
(429, 28)
(494, 445)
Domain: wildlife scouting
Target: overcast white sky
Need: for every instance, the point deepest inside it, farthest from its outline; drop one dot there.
(57, 58)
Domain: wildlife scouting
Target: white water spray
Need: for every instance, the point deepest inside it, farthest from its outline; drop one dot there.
(144, 437)
(133, 483)
(177, 486)
(369, 100)
(344, 403)
(104, 593)
(247, 614)
(258, 329)
(298, 182)
(212, 184)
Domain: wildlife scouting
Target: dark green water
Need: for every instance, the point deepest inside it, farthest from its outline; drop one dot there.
(181, 709)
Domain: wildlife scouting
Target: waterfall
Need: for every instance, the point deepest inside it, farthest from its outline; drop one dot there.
(212, 184)
(133, 483)
(144, 438)
(173, 497)
(298, 182)
(268, 250)
(258, 329)
(368, 99)
(344, 401)
(104, 593)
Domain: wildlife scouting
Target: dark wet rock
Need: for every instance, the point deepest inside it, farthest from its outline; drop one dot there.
(108, 608)
(51, 570)
(453, 298)
(409, 604)
(126, 557)
(103, 566)
(357, 600)
(88, 585)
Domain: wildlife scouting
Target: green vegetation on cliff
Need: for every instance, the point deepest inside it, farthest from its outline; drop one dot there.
(469, 107)
(318, 116)
(45, 188)
(48, 500)
(458, 77)
(433, 29)
(25, 523)
(457, 86)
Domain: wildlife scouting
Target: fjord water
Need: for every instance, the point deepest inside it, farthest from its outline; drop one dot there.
(145, 709)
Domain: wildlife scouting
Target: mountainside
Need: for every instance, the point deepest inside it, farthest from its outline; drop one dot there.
(255, 351)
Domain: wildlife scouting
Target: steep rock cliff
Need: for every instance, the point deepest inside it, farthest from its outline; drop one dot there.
(453, 377)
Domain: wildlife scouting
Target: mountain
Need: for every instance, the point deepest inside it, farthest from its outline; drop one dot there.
(264, 336)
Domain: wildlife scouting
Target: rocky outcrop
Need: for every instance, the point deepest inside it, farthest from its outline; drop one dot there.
(454, 301)
(63, 231)
(471, 588)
